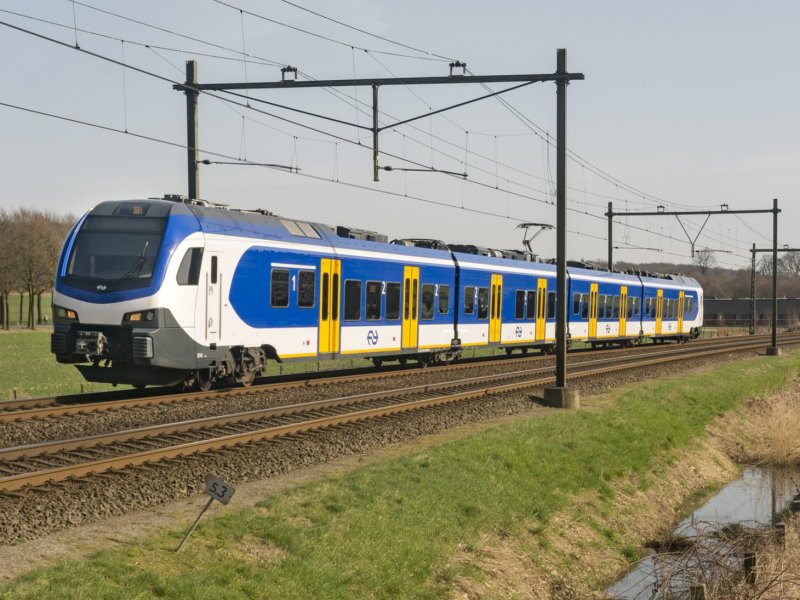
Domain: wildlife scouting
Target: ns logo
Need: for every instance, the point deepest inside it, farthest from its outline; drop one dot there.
(372, 337)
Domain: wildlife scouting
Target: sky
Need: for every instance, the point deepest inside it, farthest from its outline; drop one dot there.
(686, 105)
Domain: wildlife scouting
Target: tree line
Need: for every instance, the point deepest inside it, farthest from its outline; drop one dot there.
(29, 251)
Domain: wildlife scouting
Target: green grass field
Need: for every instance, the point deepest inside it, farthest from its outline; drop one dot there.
(394, 529)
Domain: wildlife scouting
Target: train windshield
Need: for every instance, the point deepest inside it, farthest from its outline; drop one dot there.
(115, 253)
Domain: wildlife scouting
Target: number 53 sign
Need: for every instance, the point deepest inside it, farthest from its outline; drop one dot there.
(219, 491)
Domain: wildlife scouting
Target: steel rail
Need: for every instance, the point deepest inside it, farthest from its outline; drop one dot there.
(17, 482)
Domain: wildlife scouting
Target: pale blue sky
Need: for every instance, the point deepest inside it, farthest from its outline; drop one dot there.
(692, 103)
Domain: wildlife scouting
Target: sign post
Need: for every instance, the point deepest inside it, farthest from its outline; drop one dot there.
(217, 490)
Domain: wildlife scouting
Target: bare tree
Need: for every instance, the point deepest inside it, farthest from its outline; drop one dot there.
(790, 263)
(704, 259)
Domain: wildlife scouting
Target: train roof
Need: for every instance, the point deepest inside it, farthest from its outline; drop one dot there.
(214, 218)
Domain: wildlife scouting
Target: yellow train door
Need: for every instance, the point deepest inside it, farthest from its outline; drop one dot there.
(496, 303)
(410, 306)
(680, 312)
(623, 316)
(331, 273)
(541, 304)
(593, 310)
(659, 305)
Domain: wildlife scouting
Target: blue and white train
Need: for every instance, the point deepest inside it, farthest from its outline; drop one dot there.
(168, 291)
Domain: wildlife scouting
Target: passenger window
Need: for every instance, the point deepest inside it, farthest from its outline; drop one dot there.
(427, 302)
(551, 305)
(189, 270)
(615, 314)
(530, 309)
(352, 300)
(392, 301)
(519, 304)
(576, 304)
(689, 306)
(629, 307)
(483, 303)
(280, 288)
(306, 282)
(469, 300)
(584, 306)
(444, 299)
(636, 302)
(373, 300)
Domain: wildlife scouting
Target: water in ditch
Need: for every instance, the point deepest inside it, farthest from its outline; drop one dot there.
(752, 501)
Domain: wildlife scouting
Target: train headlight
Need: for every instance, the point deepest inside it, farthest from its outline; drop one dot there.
(64, 315)
(141, 316)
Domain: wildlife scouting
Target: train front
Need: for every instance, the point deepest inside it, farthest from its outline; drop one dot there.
(113, 308)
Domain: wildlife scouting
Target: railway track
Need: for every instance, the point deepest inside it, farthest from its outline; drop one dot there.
(36, 408)
(48, 463)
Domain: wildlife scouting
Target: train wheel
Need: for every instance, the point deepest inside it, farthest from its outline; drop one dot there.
(509, 351)
(402, 360)
(377, 361)
(247, 380)
(202, 380)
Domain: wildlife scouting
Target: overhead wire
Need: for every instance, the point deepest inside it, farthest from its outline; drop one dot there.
(592, 168)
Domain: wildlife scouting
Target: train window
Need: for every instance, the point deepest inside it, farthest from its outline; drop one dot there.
(374, 300)
(324, 294)
(469, 300)
(279, 288)
(189, 270)
(530, 309)
(629, 307)
(636, 302)
(584, 306)
(608, 306)
(306, 288)
(427, 302)
(392, 301)
(576, 304)
(414, 299)
(335, 297)
(444, 299)
(407, 303)
(615, 314)
(519, 304)
(213, 269)
(689, 307)
(352, 300)
(551, 305)
(483, 303)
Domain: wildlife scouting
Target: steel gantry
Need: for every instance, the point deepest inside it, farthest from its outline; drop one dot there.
(724, 210)
(561, 77)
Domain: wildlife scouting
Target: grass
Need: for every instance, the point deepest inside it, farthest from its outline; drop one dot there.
(29, 368)
(393, 529)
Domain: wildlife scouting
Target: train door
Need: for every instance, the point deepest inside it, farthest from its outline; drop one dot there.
(331, 273)
(410, 306)
(593, 310)
(680, 312)
(659, 305)
(496, 303)
(623, 316)
(541, 307)
(210, 307)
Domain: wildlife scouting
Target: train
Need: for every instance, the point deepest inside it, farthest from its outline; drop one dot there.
(172, 291)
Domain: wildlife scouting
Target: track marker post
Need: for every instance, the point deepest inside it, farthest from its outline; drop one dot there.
(217, 490)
